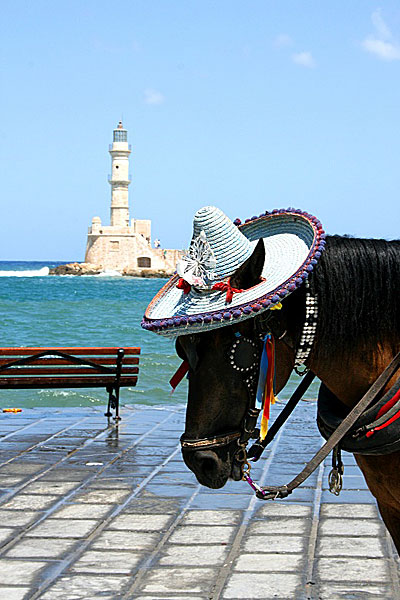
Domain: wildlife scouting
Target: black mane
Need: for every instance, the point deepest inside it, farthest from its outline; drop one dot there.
(358, 287)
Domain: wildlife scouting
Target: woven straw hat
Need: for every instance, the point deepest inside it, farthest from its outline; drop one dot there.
(199, 296)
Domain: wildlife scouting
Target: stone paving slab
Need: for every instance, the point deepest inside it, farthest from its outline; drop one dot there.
(93, 510)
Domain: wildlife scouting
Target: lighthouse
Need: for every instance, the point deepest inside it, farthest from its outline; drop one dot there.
(119, 179)
(124, 246)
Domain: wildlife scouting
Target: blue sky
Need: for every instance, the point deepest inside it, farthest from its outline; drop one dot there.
(245, 105)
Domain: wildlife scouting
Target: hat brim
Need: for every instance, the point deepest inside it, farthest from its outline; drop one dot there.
(293, 241)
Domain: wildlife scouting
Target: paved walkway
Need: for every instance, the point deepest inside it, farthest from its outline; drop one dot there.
(90, 511)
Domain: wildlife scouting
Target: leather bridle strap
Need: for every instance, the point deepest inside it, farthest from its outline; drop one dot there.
(209, 443)
(274, 492)
(258, 447)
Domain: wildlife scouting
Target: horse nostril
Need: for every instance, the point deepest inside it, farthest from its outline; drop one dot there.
(207, 462)
(209, 468)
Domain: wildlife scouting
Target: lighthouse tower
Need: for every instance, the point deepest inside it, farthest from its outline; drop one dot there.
(119, 179)
(124, 246)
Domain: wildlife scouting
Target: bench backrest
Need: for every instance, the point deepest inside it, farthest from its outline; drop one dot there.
(65, 367)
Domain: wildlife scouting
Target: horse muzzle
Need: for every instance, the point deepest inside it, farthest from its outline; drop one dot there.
(213, 460)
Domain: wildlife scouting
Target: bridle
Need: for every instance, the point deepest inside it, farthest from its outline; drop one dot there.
(244, 357)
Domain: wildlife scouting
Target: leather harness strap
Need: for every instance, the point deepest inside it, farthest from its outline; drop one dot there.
(274, 492)
(258, 447)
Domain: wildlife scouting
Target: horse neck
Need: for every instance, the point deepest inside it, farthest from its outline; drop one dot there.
(348, 380)
(356, 282)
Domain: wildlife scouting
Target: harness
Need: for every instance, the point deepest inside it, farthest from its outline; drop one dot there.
(349, 432)
(376, 431)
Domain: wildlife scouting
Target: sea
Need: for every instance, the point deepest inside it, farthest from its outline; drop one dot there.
(38, 309)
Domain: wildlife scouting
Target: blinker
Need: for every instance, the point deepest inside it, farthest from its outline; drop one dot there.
(243, 354)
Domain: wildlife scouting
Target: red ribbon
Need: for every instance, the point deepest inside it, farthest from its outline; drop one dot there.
(179, 375)
(226, 287)
(183, 285)
(268, 396)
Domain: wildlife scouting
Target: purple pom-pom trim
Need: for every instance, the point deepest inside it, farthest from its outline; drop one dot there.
(265, 303)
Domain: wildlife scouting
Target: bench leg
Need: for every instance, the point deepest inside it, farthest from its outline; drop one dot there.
(110, 401)
(116, 405)
(113, 402)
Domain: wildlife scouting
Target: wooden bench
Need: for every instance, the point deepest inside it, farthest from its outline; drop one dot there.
(47, 368)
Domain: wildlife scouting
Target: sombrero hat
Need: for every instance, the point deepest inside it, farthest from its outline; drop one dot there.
(200, 297)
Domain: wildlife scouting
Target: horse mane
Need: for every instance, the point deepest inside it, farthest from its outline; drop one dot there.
(358, 286)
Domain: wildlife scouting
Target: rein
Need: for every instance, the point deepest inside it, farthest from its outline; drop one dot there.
(275, 492)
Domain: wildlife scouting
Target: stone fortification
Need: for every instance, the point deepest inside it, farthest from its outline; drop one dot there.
(127, 248)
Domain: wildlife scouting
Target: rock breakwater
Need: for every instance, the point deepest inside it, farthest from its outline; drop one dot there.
(76, 268)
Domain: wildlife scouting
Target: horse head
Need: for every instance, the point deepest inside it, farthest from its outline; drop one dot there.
(223, 374)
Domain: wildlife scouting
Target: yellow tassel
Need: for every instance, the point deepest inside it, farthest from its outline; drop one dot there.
(264, 427)
(277, 306)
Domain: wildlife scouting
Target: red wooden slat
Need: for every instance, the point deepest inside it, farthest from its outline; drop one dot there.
(128, 360)
(63, 382)
(90, 351)
(73, 371)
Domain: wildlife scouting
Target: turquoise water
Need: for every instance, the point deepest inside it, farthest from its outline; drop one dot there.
(41, 310)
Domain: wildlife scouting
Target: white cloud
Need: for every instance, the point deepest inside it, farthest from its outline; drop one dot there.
(381, 43)
(283, 40)
(381, 49)
(304, 59)
(153, 97)
(378, 22)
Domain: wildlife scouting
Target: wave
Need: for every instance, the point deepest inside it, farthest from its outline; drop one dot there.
(27, 273)
(109, 273)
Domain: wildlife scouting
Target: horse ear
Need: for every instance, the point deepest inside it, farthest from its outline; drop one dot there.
(249, 273)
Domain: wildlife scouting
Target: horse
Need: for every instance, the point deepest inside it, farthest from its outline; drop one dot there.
(357, 286)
